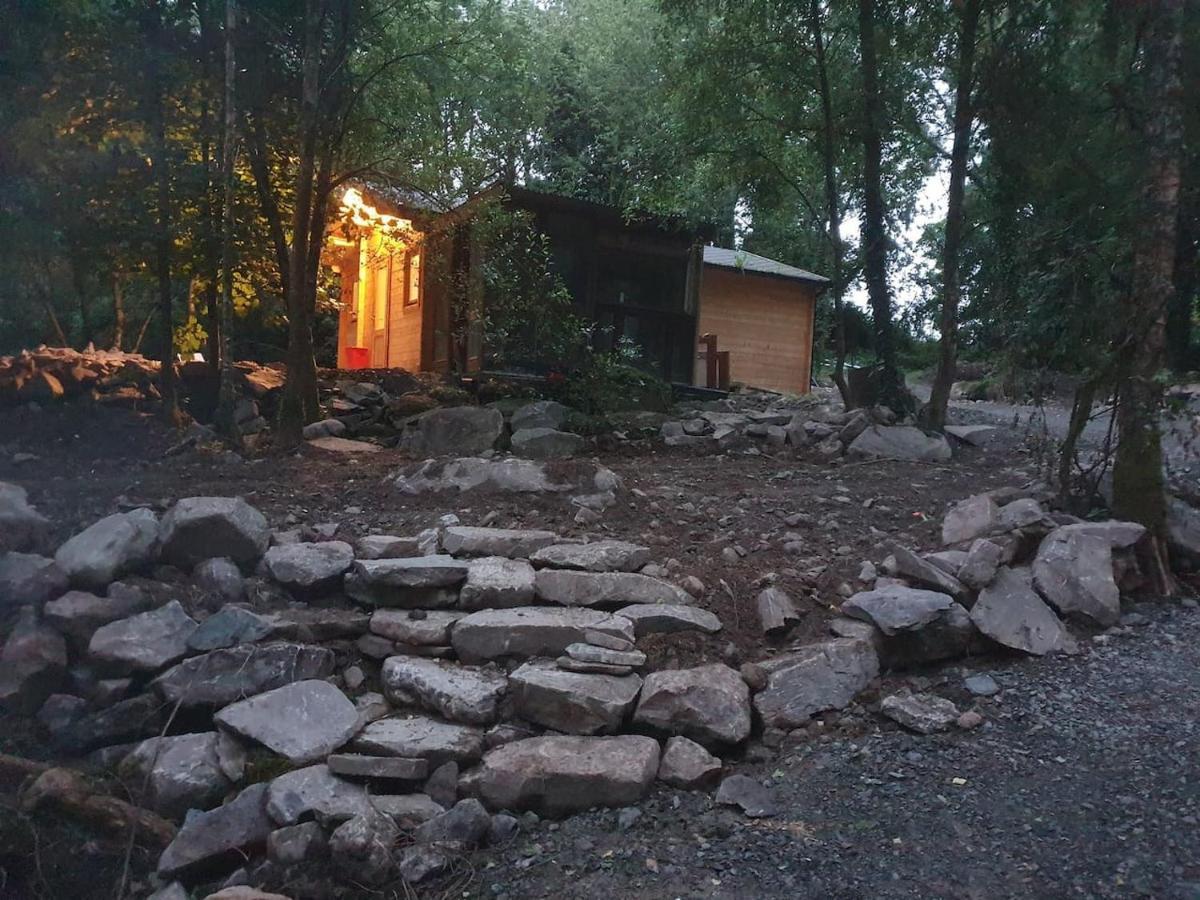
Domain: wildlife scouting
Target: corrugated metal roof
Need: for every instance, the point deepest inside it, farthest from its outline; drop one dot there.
(752, 262)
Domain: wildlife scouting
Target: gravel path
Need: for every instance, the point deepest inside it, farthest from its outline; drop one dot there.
(1084, 782)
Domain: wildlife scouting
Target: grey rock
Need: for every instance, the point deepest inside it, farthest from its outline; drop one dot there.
(33, 664)
(814, 679)
(894, 609)
(200, 528)
(572, 702)
(1183, 527)
(1011, 613)
(127, 720)
(77, 614)
(442, 784)
(412, 583)
(421, 628)
(303, 721)
(596, 556)
(668, 618)
(949, 561)
(229, 626)
(459, 429)
(60, 712)
(950, 635)
(1073, 571)
(172, 775)
(316, 790)
(590, 653)
(420, 737)
(1120, 535)
(531, 631)
(546, 443)
(494, 582)
(686, 764)
(709, 704)
(969, 519)
(571, 588)
(912, 568)
(1022, 513)
(464, 825)
(607, 641)
(459, 693)
(217, 836)
(21, 526)
(423, 861)
(361, 848)
(294, 844)
(899, 442)
(981, 685)
(539, 414)
(145, 642)
(224, 676)
(776, 611)
(568, 664)
(222, 577)
(27, 579)
(509, 475)
(387, 546)
(317, 623)
(981, 564)
(748, 795)
(309, 568)
(512, 543)
(324, 428)
(564, 774)
(503, 829)
(117, 544)
(922, 713)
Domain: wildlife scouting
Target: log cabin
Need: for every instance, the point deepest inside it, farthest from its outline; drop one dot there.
(403, 271)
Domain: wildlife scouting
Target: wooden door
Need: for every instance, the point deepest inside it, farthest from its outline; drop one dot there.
(380, 277)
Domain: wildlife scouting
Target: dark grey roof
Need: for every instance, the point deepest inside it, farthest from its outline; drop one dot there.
(752, 262)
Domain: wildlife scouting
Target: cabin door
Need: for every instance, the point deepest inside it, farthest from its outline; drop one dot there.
(380, 277)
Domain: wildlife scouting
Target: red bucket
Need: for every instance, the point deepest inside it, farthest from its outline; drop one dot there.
(358, 358)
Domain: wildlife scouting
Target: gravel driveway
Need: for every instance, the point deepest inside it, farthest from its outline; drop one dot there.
(1083, 782)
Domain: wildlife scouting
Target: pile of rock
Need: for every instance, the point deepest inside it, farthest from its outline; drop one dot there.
(861, 433)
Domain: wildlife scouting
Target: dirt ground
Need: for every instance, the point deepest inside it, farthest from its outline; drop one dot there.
(1082, 783)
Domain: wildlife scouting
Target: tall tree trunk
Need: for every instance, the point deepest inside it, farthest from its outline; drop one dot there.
(212, 232)
(832, 204)
(891, 391)
(1138, 491)
(1183, 301)
(162, 238)
(299, 403)
(226, 414)
(964, 116)
(118, 298)
(79, 283)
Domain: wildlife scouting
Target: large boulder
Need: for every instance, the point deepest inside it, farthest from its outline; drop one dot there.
(302, 722)
(199, 528)
(208, 840)
(27, 579)
(1119, 535)
(555, 776)
(916, 626)
(531, 631)
(494, 582)
(420, 737)
(571, 588)
(814, 679)
(459, 693)
(174, 774)
(709, 704)
(33, 664)
(572, 702)
(539, 414)
(899, 442)
(21, 526)
(456, 430)
(117, 544)
(1183, 527)
(1073, 571)
(146, 642)
(1010, 612)
(596, 556)
(225, 676)
(514, 543)
(546, 443)
(309, 568)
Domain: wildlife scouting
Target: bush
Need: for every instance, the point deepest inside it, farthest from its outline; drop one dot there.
(608, 382)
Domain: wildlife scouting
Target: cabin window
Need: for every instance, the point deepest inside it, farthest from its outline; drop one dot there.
(412, 296)
(642, 281)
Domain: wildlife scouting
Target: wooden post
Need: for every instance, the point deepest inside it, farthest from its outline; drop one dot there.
(709, 341)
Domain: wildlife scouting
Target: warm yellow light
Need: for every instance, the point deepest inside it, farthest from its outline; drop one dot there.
(365, 215)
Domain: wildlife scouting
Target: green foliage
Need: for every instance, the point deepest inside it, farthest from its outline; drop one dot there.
(610, 382)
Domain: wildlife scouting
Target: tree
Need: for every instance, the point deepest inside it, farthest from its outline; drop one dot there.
(1138, 492)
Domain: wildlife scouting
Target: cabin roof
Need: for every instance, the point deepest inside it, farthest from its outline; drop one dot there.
(745, 261)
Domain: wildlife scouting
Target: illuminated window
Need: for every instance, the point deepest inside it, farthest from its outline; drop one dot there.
(413, 296)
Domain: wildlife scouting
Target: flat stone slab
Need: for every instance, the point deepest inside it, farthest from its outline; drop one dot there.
(1120, 535)
(309, 568)
(387, 546)
(922, 713)
(508, 475)
(893, 609)
(591, 653)
(218, 834)
(225, 676)
(302, 722)
(912, 568)
(512, 543)
(667, 618)
(357, 765)
(420, 737)
(709, 704)
(596, 556)
(814, 679)
(495, 582)
(571, 588)
(228, 627)
(555, 776)
(530, 631)
(415, 582)
(1010, 612)
(146, 642)
(903, 442)
(334, 444)
(457, 692)
(417, 627)
(572, 702)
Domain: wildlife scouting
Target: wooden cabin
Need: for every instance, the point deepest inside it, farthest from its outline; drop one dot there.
(646, 279)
